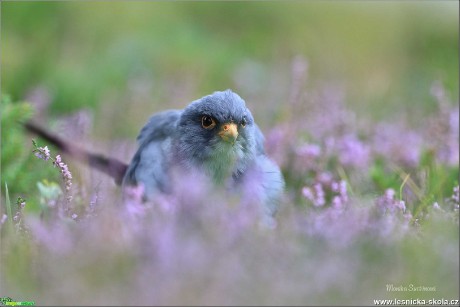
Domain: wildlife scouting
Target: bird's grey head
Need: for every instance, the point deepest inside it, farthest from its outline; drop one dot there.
(216, 133)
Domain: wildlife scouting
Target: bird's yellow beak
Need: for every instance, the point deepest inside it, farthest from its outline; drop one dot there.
(229, 132)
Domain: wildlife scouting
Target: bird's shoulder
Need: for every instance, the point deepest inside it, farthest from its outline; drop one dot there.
(160, 126)
(259, 140)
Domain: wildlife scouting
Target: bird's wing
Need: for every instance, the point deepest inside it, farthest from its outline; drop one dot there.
(149, 164)
(260, 139)
(160, 126)
(272, 180)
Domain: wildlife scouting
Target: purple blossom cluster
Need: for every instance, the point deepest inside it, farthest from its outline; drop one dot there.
(353, 152)
(444, 128)
(455, 198)
(307, 156)
(398, 144)
(387, 203)
(42, 153)
(335, 191)
(323, 134)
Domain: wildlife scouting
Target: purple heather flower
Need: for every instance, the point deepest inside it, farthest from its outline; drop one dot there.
(388, 203)
(133, 200)
(353, 152)
(389, 194)
(57, 160)
(454, 122)
(39, 155)
(309, 151)
(320, 200)
(455, 195)
(306, 157)
(306, 191)
(407, 216)
(340, 188)
(66, 175)
(3, 219)
(337, 202)
(276, 141)
(436, 206)
(326, 188)
(325, 178)
(401, 205)
(335, 186)
(42, 153)
(398, 144)
(444, 135)
(343, 190)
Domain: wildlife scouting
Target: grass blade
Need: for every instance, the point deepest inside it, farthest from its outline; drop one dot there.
(8, 207)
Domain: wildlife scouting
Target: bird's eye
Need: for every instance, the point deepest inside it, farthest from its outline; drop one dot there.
(208, 122)
(244, 122)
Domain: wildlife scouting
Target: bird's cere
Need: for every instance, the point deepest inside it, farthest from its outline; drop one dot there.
(229, 132)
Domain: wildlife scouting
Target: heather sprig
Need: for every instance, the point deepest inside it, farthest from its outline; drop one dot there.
(18, 218)
(41, 152)
(455, 199)
(15, 220)
(44, 154)
(66, 175)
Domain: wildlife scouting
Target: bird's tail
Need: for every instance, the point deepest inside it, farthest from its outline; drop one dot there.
(110, 166)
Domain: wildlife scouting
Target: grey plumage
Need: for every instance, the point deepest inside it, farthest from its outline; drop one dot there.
(229, 150)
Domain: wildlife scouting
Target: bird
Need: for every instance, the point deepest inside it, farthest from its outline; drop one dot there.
(215, 136)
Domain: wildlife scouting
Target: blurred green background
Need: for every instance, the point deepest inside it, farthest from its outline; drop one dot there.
(86, 54)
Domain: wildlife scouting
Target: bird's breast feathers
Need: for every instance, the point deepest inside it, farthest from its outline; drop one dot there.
(227, 160)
